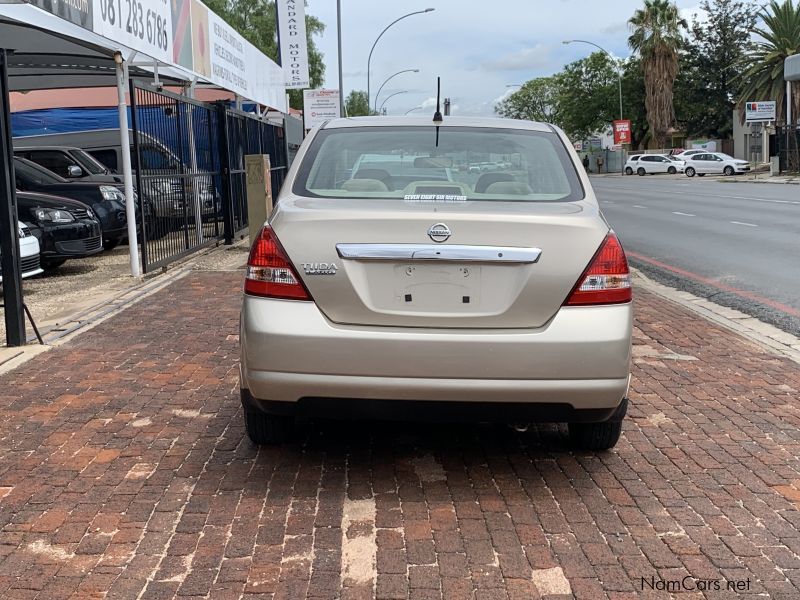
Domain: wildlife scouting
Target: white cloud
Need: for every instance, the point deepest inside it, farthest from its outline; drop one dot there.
(428, 102)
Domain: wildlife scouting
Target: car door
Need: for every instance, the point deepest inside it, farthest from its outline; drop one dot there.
(699, 162)
(645, 163)
(717, 164)
(661, 164)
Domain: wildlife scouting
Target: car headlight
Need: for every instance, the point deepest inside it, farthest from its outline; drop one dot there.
(90, 212)
(51, 215)
(159, 186)
(111, 193)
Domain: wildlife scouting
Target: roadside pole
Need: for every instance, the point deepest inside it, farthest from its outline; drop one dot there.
(127, 171)
(342, 112)
(198, 209)
(9, 246)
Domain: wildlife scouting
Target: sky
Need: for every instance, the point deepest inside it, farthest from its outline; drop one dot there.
(477, 48)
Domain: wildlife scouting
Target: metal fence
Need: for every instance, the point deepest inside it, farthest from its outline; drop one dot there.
(787, 139)
(188, 161)
(247, 135)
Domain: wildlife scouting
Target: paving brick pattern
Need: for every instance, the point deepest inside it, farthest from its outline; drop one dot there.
(125, 473)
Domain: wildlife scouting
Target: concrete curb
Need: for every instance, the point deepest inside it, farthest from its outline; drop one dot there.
(762, 334)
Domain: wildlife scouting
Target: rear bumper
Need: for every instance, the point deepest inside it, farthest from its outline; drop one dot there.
(433, 410)
(292, 353)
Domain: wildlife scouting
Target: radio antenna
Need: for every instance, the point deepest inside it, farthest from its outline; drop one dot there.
(437, 116)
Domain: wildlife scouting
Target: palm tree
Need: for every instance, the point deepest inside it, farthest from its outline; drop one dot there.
(656, 36)
(762, 79)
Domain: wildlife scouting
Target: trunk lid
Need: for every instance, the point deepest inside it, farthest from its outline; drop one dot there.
(387, 271)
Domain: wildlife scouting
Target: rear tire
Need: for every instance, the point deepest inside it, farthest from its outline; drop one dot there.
(728, 171)
(263, 429)
(595, 436)
(672, 170)
(701, 174)
(690, 172)
(641, 172)
(628, 171)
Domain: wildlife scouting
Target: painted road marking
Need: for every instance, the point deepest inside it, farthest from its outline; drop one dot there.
(674, 212)
(638, 206)
(745, 224)
(714, 283)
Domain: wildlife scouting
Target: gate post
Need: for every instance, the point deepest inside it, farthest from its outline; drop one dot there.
(142, 193)
(9, 246)
(225, 172)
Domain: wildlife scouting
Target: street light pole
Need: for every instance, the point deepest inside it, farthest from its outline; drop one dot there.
(616, 62)
(387, 81)
(341, 76)
(413, 109)
(391, 96)
(369, 59)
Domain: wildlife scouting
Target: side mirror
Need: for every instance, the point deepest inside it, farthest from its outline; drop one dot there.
(74, 171)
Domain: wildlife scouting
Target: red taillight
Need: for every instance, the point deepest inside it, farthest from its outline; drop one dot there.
(269, 272)
(607, 279)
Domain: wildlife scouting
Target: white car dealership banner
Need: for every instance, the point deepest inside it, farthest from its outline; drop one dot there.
(294, 48)
(182, 33)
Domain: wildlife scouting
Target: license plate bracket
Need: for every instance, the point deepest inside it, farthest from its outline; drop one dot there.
(438, 287)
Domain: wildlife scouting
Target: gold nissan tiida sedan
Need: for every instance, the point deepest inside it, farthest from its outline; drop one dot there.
(451, 269)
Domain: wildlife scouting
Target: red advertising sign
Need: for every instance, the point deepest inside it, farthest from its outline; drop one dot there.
(622, 132)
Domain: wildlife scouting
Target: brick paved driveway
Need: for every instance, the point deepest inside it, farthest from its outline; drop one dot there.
(125, 473)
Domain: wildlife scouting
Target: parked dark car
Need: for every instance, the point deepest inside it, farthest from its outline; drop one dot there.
(107, 201)
(65, 228)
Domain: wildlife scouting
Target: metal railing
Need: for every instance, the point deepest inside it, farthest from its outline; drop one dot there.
(246, 134)
(188, 162)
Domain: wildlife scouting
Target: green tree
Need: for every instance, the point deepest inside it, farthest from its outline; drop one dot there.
(255, 20)
(356, 104)
(588, 97)
(762, 79)
(706, 90)
(537, 100)
(633, 100)
(656, 38)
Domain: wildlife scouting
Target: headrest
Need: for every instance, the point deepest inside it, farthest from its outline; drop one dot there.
(517, 188)
(364, 185)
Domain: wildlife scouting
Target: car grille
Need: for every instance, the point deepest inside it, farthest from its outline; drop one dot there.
(28, 264)
(75, 246)
(79, 213)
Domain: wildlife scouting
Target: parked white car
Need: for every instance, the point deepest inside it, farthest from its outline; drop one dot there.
(715, 163)
(631, 164)
(687, 153)
(28, 253)
(649, 164)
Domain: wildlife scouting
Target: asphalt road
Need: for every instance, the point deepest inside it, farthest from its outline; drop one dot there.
(735, 243)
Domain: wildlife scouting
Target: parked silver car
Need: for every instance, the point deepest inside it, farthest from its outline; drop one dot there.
(371, 295)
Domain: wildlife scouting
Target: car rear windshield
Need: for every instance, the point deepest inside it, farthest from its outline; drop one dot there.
(467, 164)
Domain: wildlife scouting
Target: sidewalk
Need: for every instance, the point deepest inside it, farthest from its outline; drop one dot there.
(125, 473)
